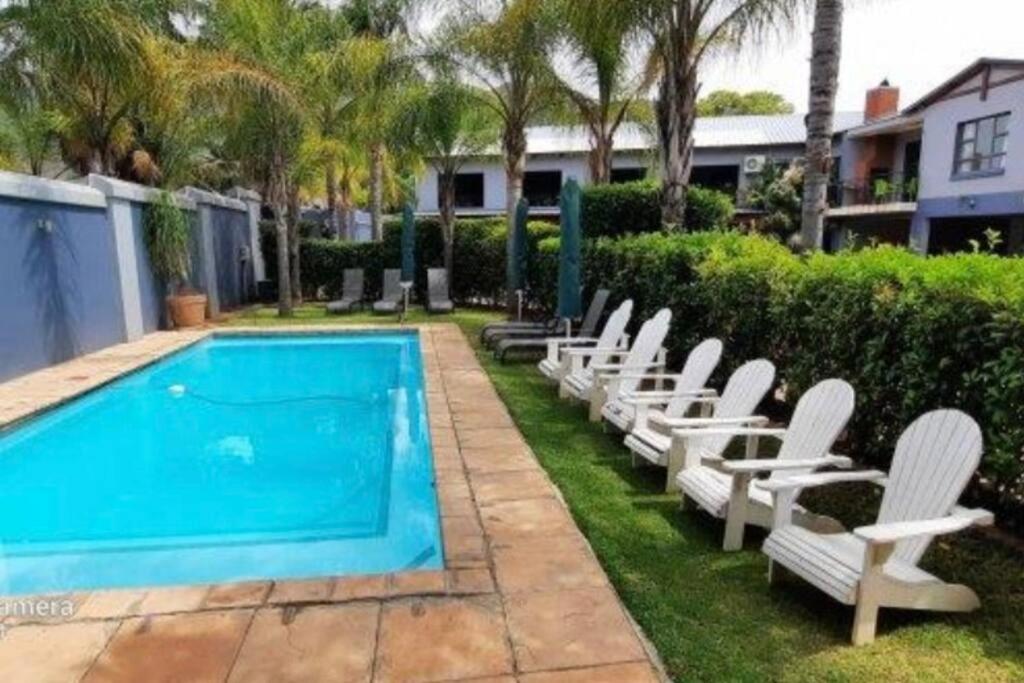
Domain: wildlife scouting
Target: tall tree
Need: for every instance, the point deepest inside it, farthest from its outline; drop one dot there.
(506, 51)
(826, 52)
(449, 127)
(684, 34)
(732, 103)
(600, 36)
(265, 131)
(386, 21)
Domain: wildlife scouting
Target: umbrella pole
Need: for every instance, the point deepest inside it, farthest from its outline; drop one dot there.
(519, 305)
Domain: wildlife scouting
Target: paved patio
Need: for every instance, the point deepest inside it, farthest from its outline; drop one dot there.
(522, 597)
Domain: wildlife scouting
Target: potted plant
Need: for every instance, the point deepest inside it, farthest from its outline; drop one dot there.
(167, 242)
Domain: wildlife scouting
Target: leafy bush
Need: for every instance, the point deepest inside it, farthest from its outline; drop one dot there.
(911, 334)
(479, 244)
(624, 208)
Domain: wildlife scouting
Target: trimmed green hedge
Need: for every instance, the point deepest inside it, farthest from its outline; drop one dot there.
(624, 208)
(911, 334)
(479, 243)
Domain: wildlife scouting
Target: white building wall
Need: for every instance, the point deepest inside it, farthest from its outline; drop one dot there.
(939, 141)
(575, 166)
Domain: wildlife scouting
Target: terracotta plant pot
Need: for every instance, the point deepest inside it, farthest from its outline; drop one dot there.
(187, 310)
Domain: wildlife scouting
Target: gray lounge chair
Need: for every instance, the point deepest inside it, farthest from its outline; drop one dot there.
(391, 298)
(351, 292)
(438, 295)
(493, 333)
(540, 343)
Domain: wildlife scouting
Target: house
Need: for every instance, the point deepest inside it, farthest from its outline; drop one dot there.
(730, 151)
(940, 173)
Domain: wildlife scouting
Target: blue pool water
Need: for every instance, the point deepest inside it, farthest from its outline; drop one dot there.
(238, 458)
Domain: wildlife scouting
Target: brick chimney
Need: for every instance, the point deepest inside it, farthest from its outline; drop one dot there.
(881, 102)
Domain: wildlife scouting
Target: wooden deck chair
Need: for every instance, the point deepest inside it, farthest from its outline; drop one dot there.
(877, 566)
(520, 341)
(438, 294)
(557, 362)
(725, 488)
(687, 385)
(391, 297)
(601, 384)
(351, 292)
(650, 438)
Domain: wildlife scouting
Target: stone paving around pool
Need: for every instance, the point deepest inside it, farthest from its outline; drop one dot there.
(522, 597)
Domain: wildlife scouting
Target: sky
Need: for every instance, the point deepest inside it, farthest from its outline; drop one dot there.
(916, 44)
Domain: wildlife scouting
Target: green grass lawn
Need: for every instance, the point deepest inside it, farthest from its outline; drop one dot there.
(711, 615)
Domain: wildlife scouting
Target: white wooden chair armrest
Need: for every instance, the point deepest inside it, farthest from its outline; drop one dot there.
(571, 341)
(881, 534)
(654, 398)
(681, 423)
(809, 481)
(981, 517)
(618, 368)
(774, 465)
(597, 350)
(738, 430)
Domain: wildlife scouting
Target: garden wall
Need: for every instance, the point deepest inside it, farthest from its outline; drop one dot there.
(74, 272)
(910, 333)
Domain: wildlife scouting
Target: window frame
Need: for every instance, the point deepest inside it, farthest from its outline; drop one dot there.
(989, 156)
(483, 190)
(561, 182)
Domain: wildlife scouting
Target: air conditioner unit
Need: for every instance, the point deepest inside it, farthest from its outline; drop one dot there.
(754, 165)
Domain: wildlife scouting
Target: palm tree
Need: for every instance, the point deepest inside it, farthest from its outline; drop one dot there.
(507, 54)
(265, 130)
(448, 128)
(386, 21)
(87, 58)
(826, 51)
(684, 33)
(600, 35)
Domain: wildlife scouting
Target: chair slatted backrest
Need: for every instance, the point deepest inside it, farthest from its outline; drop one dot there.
(392, 285)
(352, 285)
(743, 392)
(593, 317)
(612, 333)
(700, 363)
(437, 284)
(820, 416)
(645, 348)
(932, 465)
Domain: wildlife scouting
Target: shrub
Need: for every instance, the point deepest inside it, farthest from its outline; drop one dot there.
(479, 246)
(911, 334)
(632, 208)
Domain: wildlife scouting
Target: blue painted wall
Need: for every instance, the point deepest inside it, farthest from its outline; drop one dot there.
(230, 237)
(59, 292)
(152, 289)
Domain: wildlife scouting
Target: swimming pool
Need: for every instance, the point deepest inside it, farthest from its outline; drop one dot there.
(241, 457)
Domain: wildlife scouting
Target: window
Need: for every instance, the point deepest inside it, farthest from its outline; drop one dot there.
(628, 175)
(542, 188)
(981, 145)
(469, 191)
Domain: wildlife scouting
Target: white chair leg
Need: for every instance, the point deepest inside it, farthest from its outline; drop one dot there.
(676, 461)
(869, 593)
(598, 396)
(736, 516)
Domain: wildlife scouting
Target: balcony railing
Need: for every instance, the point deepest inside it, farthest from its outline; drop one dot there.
(890, 189)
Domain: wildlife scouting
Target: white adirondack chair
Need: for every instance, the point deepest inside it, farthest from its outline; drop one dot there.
(876, 566)
(556, 363)
(645, 355)
(686, 386)
(651, 439)
(725, 488)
